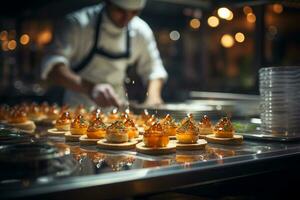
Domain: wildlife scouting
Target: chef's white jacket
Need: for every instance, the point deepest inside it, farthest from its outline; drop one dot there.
(74, 37)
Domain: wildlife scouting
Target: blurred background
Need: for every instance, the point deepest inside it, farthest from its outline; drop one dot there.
(206, 45)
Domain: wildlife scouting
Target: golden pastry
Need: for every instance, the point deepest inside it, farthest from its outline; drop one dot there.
(80, 110)
(23, 107)
(169, 125)
(64, 122)
(97, 129)
(150, 122)
(224, 128)
(188, 132)
(53, 113)
(97, 113)
(117, 133)
(141, 119)
(155, 136)
(34, 113)
(205, 126)
(44, 108)
(131, 129)
(79, 126)
(189, 117)
(112, 116)
(18, 119)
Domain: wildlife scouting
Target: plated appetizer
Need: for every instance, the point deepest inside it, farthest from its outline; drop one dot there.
(96, 129)
(169, 125)
(117, 138)
(224, 128)
(205, 126)
(131, 129)
(156, 141)
(155, 136)
(224, 133)
(79, 126)
(19, 119)
(117, 133)
(52, 115)
(95, 132)
(188, 132)
(97, 113)
(34, 113)
(64, 122)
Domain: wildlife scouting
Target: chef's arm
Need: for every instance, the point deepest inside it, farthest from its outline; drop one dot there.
(154, 92)
(61, 75)
(103, 94)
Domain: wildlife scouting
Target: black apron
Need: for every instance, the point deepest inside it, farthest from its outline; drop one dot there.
(100, 51)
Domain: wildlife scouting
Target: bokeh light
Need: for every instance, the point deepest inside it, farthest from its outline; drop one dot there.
(12, 44)
(3, 35)
(195, 23)
(174, 35)
(277, 8)
(239, 37)
(213, 21)
(24, 39)
(227, 41)
(225, 13)
(251, 18)
(247, 10)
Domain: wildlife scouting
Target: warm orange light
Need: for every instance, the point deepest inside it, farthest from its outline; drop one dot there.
(277, 8)
(195, 23)
(4, 45)
(3, 35)
(251, 18)
(239, 37)
(227, 41)
(44, 37)
(247, 10)
(24, 39)
(213, 21)
(225, 13)
(12, 45)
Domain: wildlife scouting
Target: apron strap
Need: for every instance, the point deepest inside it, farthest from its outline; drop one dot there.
(90, 55)
(126, 54)
(94, 50)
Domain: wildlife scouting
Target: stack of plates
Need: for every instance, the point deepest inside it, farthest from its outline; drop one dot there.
(280, 100)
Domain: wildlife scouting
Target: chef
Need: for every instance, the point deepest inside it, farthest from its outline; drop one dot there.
(93, 47)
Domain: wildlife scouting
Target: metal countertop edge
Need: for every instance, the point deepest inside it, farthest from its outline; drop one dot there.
(196, 173)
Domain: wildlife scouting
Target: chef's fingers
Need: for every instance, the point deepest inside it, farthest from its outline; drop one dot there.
(112, 96)
(102, 99)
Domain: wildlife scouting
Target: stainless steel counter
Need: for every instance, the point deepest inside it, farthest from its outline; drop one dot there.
(118, 174)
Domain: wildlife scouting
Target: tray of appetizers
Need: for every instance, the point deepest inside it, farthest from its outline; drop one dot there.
(123, 130)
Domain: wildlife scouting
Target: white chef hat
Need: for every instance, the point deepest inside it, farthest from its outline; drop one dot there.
(130, 4)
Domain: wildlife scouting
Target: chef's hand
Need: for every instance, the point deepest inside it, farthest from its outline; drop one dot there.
(153, 101)
(104, 95)
(154, 93)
